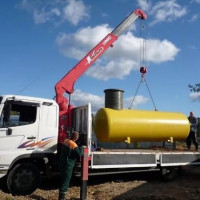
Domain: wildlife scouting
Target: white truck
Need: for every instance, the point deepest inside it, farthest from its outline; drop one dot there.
(32, 129)
(28, 145)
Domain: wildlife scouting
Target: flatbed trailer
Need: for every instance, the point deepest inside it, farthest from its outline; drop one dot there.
(125, 158)
(115, 161)
(168, 162)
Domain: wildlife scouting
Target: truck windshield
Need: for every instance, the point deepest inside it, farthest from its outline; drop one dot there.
(1, 99)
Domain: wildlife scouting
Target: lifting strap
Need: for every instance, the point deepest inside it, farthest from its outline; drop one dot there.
(143, 80)
(143, 69)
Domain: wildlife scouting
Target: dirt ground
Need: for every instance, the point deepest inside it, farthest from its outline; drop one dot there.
(134, 186)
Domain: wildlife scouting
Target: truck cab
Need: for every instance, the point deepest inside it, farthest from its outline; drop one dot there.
(28, 135)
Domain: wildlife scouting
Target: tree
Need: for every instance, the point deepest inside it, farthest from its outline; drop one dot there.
(195, 87)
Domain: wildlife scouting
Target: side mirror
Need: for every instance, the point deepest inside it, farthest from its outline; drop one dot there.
(9, 131)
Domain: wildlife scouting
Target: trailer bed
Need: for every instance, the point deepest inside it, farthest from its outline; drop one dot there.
(125, 158)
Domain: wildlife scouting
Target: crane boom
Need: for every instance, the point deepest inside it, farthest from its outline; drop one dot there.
(66, 84)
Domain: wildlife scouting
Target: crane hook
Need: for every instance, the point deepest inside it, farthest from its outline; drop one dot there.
(143, 71)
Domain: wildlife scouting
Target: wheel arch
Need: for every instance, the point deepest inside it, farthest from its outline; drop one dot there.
(37, 159)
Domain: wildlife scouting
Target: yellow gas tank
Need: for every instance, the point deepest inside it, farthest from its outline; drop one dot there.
(140, 126)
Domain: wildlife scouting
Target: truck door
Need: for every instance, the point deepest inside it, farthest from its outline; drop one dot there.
(48, 127)
(82, 122)
(18, 125)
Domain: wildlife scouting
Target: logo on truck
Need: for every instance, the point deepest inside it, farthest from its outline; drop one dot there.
(94, 55)
(106, 40)
(41, 144)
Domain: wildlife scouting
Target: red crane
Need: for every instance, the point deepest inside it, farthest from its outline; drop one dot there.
(66, 84)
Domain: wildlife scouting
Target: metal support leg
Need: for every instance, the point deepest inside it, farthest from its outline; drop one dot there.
(84, 175)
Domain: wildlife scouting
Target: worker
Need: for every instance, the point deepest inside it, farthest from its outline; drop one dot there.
(192, 136)
(93, 146)
(70, 152)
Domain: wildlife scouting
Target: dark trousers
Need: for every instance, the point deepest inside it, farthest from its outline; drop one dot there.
(65, 177)
(192, 137)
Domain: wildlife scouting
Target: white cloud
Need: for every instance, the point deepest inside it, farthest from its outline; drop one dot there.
(78, 44)
(117, 68)
(27, 5)
(163, 11)
(81, 98)
(160, 51)
(73, 11)
(137, 101)
(194, 18)
(167, 11)
(118, 61)
(197, 1)
(144, 4)
(43, 16)
(195, 96)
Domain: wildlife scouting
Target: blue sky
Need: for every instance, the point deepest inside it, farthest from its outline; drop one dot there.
(42, 40)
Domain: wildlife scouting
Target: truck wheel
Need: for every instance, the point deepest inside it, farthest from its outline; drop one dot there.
(168, 174)
(23, 179)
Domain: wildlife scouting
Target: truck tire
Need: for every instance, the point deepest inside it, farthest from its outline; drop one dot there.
(169, 173)
(23, 179)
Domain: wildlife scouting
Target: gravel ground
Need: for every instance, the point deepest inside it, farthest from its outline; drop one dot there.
(135, 186)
